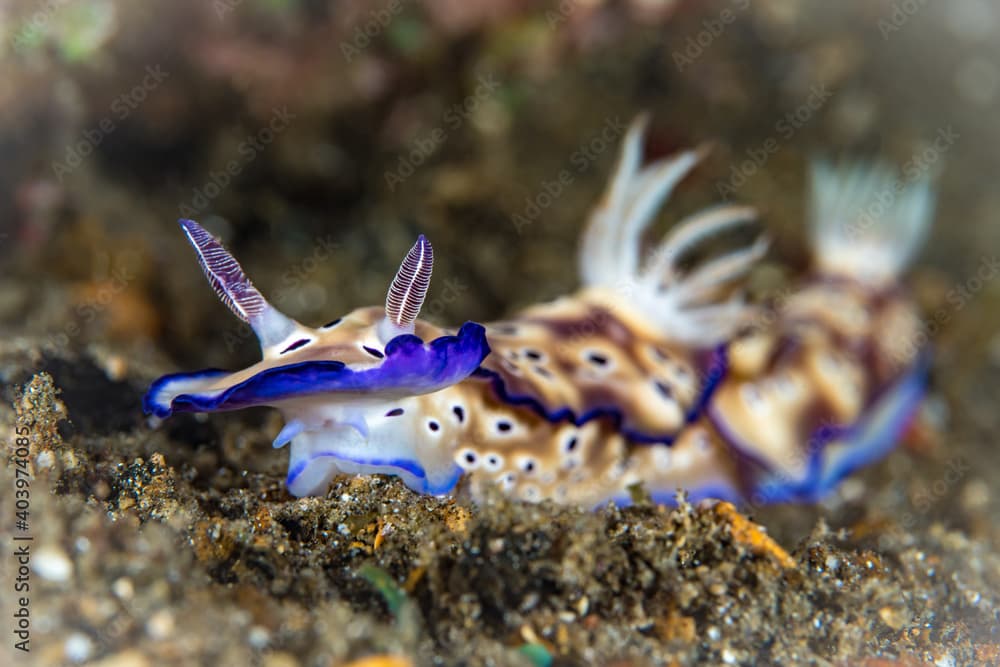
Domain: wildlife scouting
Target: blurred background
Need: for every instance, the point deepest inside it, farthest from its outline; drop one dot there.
(318, 138)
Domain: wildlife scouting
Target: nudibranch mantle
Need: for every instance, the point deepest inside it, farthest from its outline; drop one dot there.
(656, 372)
(407, 366)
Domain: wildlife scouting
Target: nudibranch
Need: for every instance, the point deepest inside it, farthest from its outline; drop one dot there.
(656, 372)
(334, 384)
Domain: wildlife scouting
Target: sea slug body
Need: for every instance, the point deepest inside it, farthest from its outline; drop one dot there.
(656, 372)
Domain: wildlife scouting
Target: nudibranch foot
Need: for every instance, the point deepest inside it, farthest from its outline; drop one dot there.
(318, 455)
(833, 453)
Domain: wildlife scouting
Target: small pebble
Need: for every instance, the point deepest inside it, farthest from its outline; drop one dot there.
(160, 625)
(280, 659)
(975, 495)
(45, 460)
(894, 618)
(852, 490)
(129, 658)
(259, 637)
(123, 588)
(946, 660)
(52, 564)
(115, 367)
(78, 647)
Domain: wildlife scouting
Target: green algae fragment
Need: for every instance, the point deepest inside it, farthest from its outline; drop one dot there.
(538, 654)
(395, 597)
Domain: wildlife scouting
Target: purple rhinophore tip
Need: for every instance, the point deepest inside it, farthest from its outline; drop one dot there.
(224, 273)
